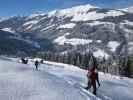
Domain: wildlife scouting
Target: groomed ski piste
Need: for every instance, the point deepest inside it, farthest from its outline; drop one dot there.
(56, 81)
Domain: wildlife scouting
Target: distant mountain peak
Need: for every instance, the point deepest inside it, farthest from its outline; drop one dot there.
(4, 18)
(129, 9)
(72, 11)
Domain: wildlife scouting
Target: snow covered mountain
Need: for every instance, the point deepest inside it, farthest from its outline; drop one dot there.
(104, 31)
(129, 9)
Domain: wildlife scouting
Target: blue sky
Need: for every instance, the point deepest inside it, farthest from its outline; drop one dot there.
(26, 7)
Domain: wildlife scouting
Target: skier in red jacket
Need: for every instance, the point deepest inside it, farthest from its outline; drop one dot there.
(92, 78)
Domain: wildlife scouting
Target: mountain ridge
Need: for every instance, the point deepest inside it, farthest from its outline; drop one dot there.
(72, 29)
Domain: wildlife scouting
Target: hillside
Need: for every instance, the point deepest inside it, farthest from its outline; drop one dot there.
(106, 32)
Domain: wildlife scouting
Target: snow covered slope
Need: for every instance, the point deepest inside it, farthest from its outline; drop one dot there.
(112, 87)
(57, 81)
(23, 82)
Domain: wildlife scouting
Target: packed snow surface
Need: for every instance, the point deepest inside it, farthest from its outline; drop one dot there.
(57, 81)
(112, 87)
(23, 82)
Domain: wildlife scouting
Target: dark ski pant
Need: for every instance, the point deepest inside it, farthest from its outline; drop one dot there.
(94, 88)
(36, 67)
(92, 84)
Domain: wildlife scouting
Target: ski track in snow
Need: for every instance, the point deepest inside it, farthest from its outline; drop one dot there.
(23, 82)
(112, 87)
(56, 81)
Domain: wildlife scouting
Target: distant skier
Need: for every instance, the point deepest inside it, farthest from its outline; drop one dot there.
(24, 60)
(36, 64)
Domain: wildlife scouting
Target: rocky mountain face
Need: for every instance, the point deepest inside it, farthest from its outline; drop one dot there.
(84, 28)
